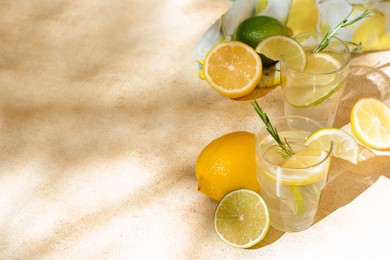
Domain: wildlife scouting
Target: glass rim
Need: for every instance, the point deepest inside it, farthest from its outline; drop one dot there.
(263, 129)
(344, 65)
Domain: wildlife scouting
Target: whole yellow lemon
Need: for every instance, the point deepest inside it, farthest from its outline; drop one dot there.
(226, 164)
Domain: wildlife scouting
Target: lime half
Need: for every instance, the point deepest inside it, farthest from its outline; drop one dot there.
(316, 83)
(344, 144)
(241, 218)
(274, 47)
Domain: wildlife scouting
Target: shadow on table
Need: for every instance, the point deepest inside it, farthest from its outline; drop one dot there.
(347, 181)
(362, 81)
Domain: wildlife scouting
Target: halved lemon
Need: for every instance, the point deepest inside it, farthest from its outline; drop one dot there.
(316, 84)
(370, 123)
(241, 218)
(233, 68)
(344, 144)
(274, 47)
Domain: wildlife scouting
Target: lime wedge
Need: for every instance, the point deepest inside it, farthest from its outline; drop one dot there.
(241, 218)
(316, 84)
(298, 199)
(274, 47)
(344, 144)
(305, 158)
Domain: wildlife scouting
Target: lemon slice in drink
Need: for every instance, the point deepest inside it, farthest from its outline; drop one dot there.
(309, 156)
(370, 123)
(241, 218)
(233, 69)
(306, 90)
(274, 47)
(303, 159)
(344, 144)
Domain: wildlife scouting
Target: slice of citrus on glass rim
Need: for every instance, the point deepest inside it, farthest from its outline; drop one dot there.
(241, 218)
(344, 144)
(370, 123)
(274, 47)
(233, 68)
(316, 84)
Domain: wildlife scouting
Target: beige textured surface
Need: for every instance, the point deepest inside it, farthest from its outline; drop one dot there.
(102, 117)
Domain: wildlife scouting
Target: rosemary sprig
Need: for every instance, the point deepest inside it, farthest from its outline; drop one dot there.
(331, 33)
(284, 146)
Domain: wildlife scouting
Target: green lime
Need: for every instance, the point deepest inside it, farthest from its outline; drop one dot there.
(255, 29)
(241, 218)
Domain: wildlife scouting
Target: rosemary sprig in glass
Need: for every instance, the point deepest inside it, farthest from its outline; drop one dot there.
(284, 146)
(331, 33)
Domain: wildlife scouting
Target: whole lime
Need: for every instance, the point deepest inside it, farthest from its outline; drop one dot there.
(255, 29)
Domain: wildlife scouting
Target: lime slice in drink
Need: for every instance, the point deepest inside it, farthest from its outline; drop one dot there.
(307, 89)
(241, 218)
(344, 144)
(321, 62)
(298, 199)
(308, 157)
(274, 47)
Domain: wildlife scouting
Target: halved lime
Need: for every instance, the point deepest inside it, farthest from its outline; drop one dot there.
(316, 83)
(344, 144)
(274, 47)
(241, 218)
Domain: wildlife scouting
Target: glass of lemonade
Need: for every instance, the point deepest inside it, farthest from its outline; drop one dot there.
(315, 92)
(291, 186)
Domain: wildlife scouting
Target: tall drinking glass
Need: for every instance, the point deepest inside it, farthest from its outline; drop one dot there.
(315, 92)
(291, 189)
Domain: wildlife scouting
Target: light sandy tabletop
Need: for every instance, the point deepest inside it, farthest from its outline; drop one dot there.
(102, 118)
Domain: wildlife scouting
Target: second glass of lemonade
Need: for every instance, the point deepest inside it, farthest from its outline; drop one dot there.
(316, 91)
(291, 186)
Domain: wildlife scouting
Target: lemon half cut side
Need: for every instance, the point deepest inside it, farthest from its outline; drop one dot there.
(370, 123)
(233, 69)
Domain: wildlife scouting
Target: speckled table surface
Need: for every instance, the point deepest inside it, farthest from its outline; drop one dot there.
(102, 118)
